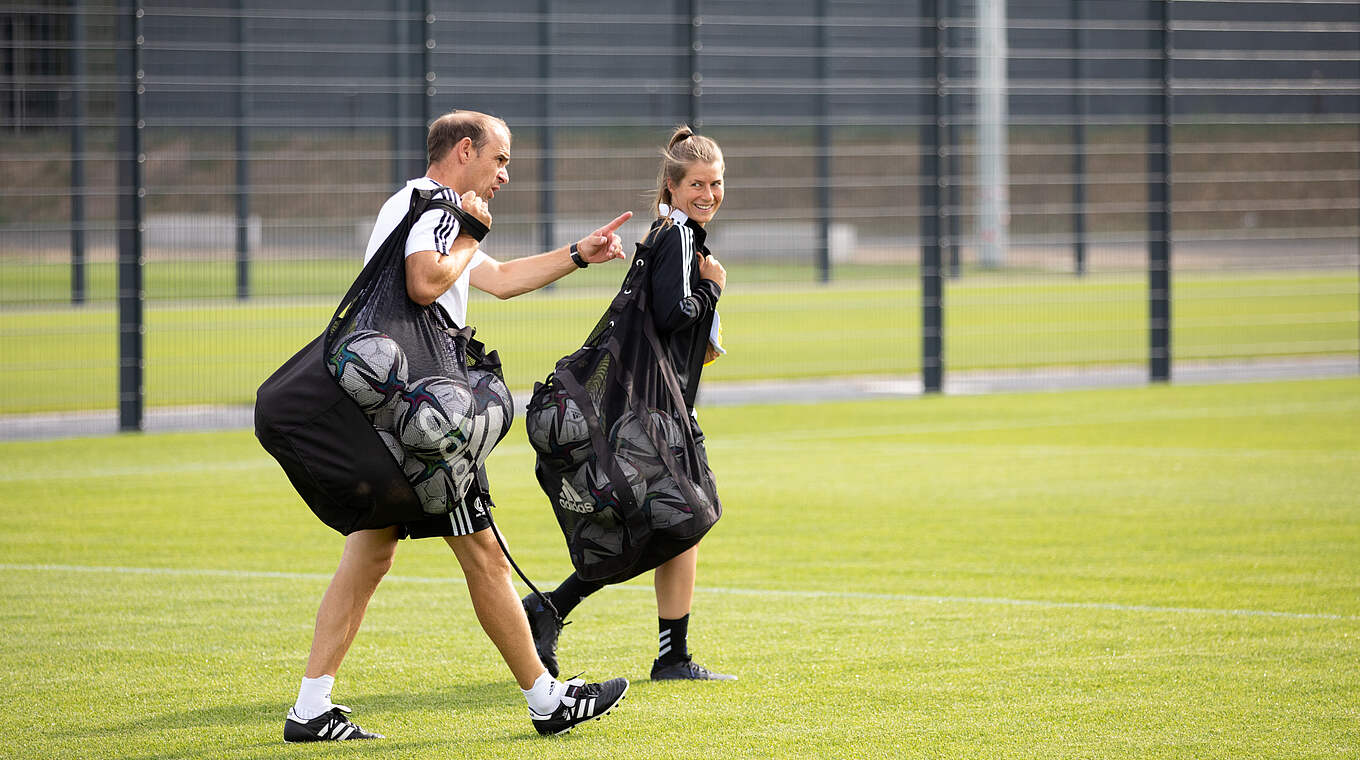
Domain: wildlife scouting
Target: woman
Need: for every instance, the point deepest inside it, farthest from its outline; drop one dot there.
(685, 285)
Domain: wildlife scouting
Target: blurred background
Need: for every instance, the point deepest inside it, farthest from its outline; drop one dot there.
(923, 195)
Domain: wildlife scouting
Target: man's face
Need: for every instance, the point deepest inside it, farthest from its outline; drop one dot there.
(488, 169)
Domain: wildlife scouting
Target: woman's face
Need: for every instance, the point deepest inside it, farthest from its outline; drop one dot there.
(699, 193)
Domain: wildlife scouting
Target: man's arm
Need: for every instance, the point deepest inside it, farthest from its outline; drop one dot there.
(518, 276)
(429, 275)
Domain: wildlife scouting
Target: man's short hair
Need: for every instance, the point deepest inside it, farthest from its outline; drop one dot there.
(450, 129)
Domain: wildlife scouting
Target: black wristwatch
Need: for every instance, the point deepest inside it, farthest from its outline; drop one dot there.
(576, 257)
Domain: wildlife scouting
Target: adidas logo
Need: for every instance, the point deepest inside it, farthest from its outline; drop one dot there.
(572, 501)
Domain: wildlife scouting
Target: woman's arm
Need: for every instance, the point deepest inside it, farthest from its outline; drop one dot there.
(675, 305)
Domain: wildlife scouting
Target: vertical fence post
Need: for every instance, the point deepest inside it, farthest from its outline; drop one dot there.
(242, 158)
(1078, 142)
(427, 44)
(949, 141)
(78, 152)
(696, 78)
(1159, 215)
(131, 192)
(932, 286)
(823, 244)
(547, 210)
(401, 65)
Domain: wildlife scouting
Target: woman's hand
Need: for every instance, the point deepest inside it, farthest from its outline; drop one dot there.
(710, 269)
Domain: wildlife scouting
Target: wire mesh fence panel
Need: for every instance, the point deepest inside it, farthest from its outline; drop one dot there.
(1268, 183)
(965, 185)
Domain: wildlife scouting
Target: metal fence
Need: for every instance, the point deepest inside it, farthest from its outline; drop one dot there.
(927, 194)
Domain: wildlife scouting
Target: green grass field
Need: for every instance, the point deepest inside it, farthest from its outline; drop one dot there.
(218, 351)
(1162, 572)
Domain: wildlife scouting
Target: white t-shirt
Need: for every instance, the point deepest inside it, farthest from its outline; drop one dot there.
(433, 231)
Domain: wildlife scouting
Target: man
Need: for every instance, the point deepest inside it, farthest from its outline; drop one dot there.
(468, 157)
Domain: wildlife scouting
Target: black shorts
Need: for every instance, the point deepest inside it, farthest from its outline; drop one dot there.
(469, 517)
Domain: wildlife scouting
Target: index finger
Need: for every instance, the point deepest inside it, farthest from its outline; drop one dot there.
(617, 223)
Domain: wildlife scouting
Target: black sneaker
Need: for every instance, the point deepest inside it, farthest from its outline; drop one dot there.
(686, 670)
(581, 702)
(330, 726)
(545, 627)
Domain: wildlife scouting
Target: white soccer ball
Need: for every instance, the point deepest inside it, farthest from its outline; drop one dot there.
(394, 446)
(372, 370)
(600, 541)
(434, 419)
(630, 439)
(670, 431)
(631, 442)
(558, 430)
(439, 485)
(595, 489)
(665, 504)
(495, 411)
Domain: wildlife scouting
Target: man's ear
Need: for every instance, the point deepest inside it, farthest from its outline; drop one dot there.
(465, 150)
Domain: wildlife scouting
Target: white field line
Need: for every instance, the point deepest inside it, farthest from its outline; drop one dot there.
(755, 440)
(780, 593)
(773, 441)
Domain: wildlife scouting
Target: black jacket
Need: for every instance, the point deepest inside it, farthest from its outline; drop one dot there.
(682, 304)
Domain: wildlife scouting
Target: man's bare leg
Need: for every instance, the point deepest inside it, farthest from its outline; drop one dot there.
(497, 604)
(363, 564)
(367, 558)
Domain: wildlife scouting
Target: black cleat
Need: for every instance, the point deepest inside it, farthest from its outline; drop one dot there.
(581, 702)
(330, 726)
(686, 670)
(545, 627)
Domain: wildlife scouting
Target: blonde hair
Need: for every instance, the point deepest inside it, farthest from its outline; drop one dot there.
(450, 129)
(684, 150)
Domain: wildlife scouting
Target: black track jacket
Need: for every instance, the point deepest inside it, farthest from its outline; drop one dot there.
(682, 305)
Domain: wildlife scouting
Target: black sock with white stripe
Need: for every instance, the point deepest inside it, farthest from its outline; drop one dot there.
(673, 645)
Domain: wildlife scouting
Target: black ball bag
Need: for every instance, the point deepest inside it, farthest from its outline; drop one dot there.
(326, 443)
(619, 456)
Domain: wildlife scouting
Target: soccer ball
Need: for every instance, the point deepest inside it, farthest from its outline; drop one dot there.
(371, 368)
(393, 446)
(558, 430)
(665, 504)
(670, 431)
(630, 442)
(495, 410)
(592, 491)
(630, 439)
(434, 418)
(599, 541)
(439, 485)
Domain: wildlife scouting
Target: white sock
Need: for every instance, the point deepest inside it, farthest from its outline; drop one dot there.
(314, 697)
(545, 694)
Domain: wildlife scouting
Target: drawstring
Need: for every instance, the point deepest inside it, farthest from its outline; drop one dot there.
(542, 597)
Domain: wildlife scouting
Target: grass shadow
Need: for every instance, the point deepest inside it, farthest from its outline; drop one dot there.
(459, 697)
